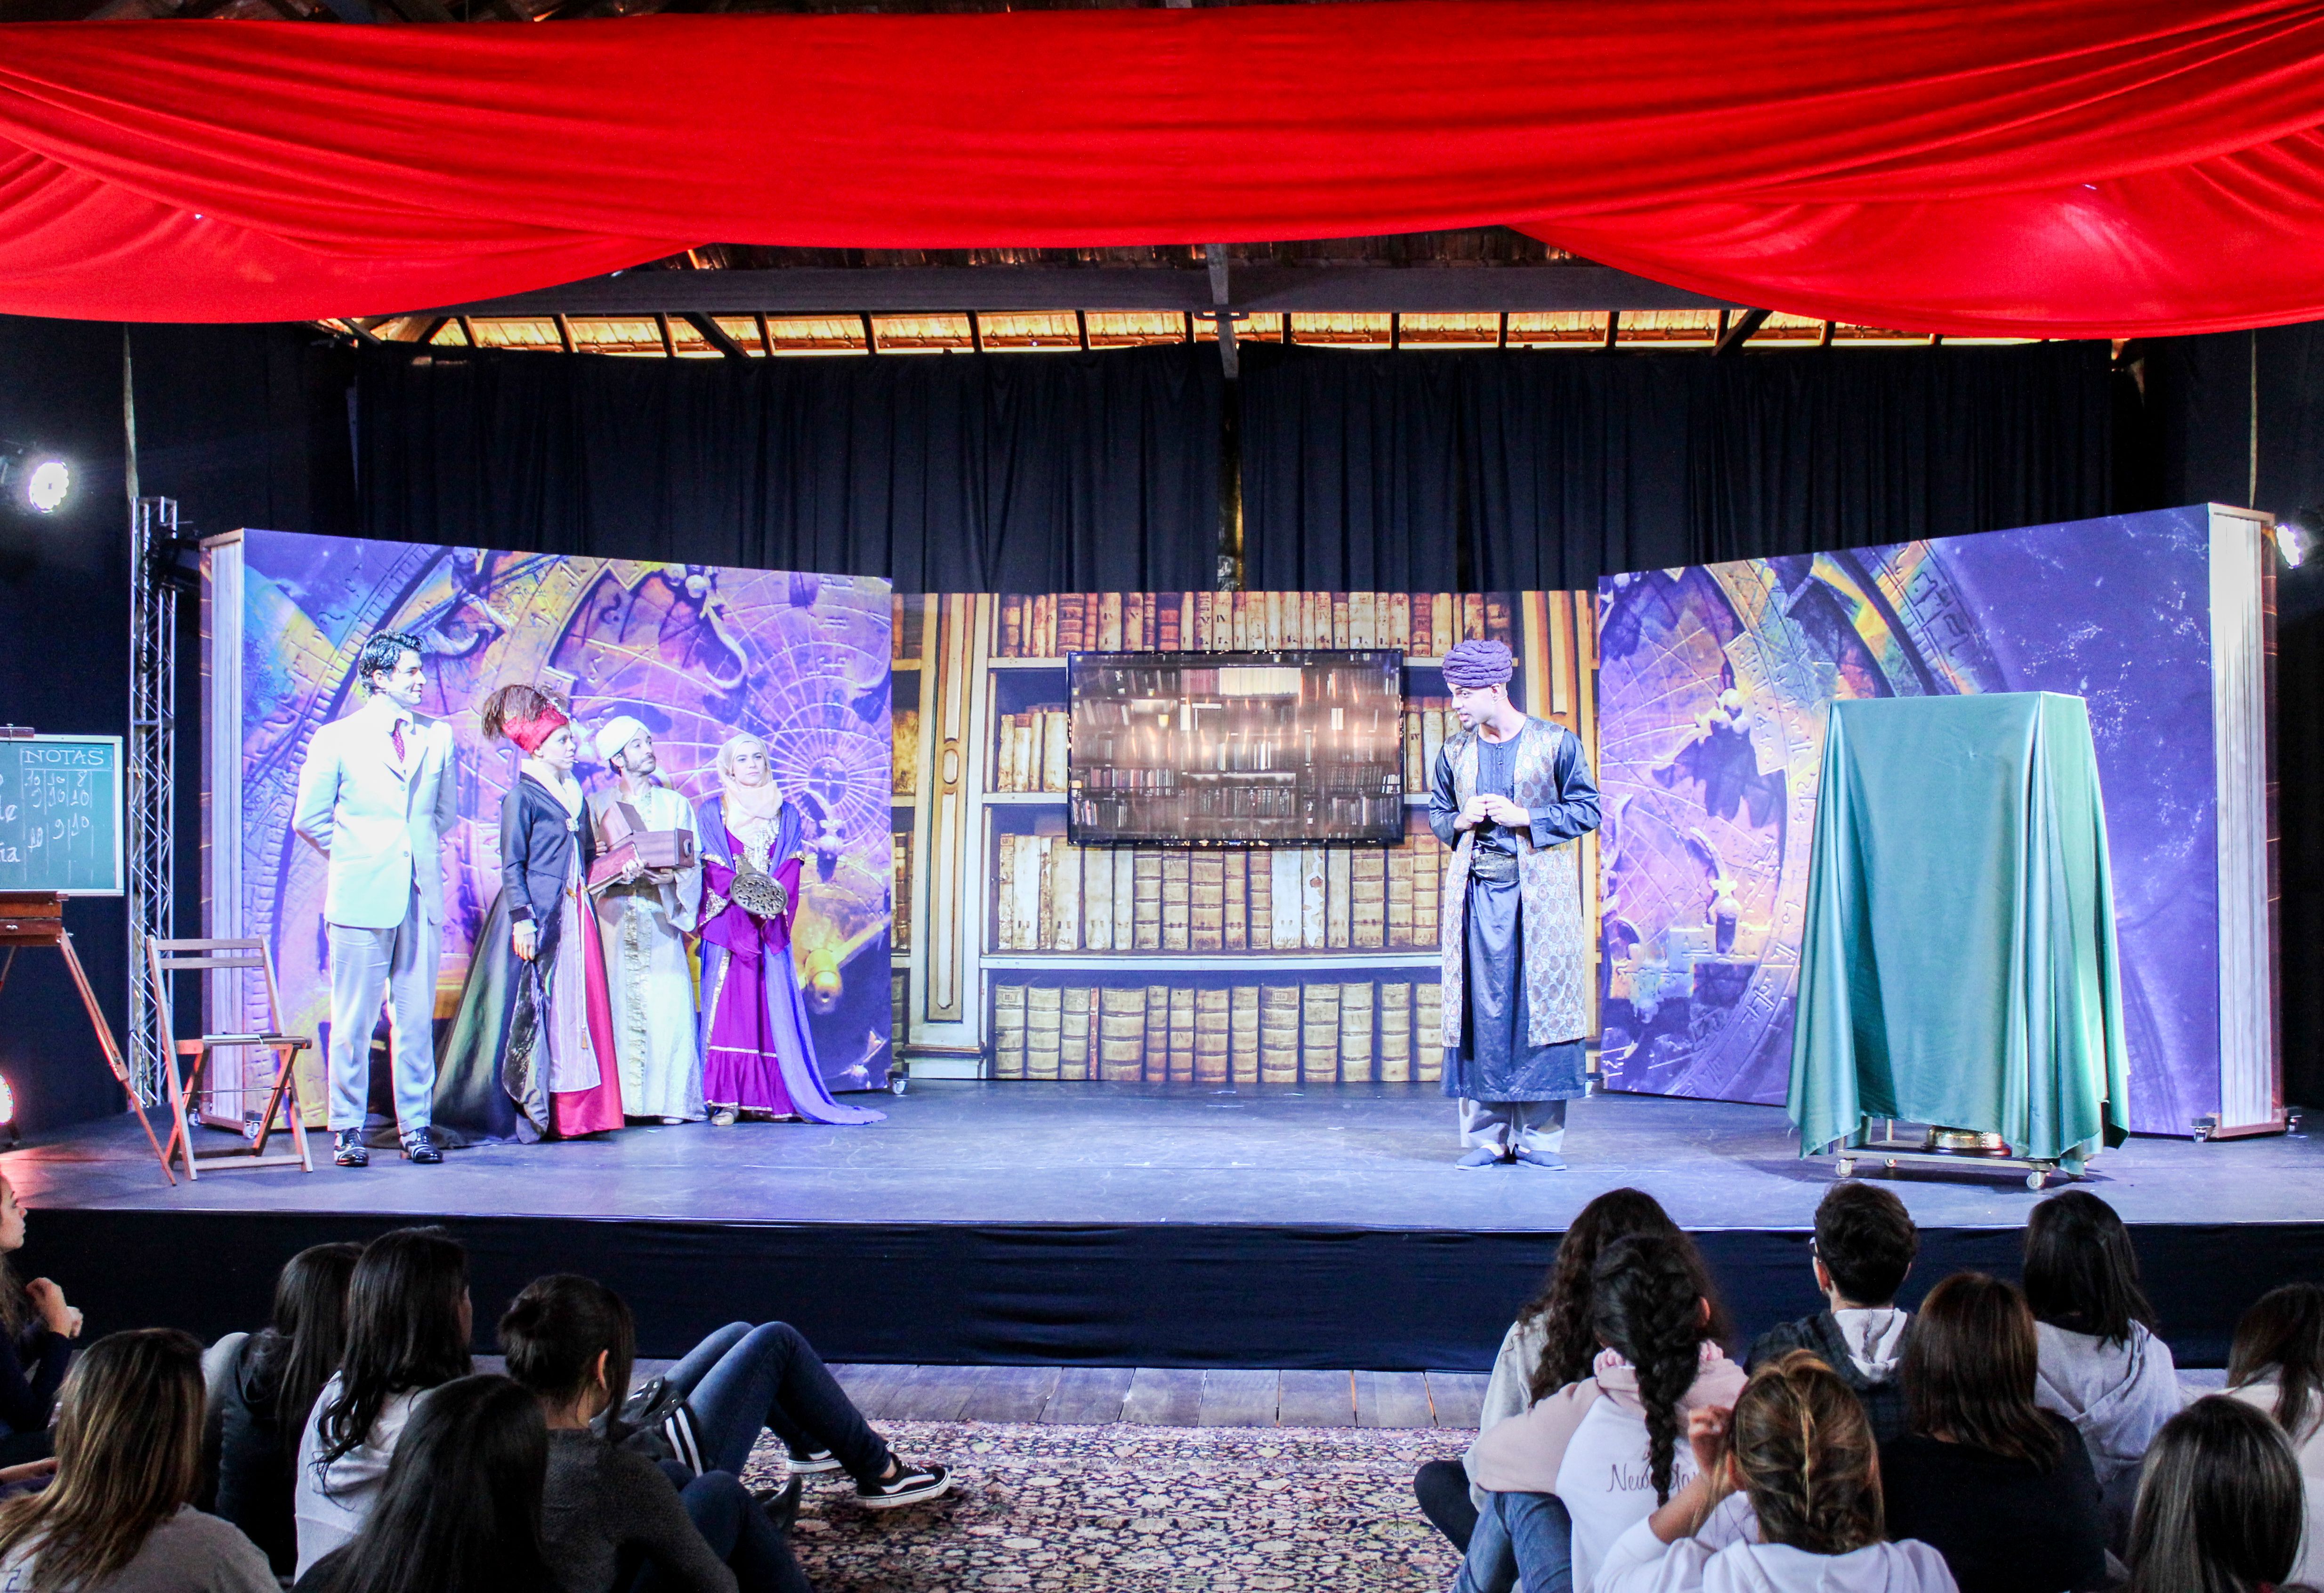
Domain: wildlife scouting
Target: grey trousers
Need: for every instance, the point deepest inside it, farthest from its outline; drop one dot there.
(398, 966)
(1511, 1126)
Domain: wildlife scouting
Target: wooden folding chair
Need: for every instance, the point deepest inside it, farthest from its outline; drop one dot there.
(165, 957)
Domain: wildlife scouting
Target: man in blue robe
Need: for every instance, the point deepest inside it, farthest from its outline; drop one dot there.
(1511, 795)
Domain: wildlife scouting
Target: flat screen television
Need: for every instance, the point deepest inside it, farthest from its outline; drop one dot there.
(1296, 748)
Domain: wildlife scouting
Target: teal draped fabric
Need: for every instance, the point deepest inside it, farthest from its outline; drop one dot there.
(1957, 961)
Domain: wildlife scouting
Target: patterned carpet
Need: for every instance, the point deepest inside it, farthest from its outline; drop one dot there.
(1230, 1509)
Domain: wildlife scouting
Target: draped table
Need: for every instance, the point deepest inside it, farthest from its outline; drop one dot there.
(1957, 960)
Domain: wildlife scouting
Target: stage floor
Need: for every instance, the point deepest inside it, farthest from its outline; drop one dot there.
(1099, 1153)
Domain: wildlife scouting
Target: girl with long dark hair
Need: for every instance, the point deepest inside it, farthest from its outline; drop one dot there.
(459, 1511)
(1798, 1447)
(129, 1458)
(266, 1393)
(2219, 1506)
(571, 1341)
(408, 1326)
(2001, 1487)
(2276, 1365)
(1550, 1344)
(1604, 1453)
(2103, 1367)
(37, 1329)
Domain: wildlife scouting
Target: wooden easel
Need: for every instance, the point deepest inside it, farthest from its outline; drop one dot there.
(37, 918)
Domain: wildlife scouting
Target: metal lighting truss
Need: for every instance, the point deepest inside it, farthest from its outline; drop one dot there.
(152, 756)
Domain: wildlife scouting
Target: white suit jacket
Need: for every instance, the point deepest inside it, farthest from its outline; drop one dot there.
(380, 823)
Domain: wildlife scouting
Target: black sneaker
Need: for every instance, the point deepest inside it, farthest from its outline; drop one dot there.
(781, 1505)
(420, 1150)
(806, 1465)
(909, 1486)
(349, 1151)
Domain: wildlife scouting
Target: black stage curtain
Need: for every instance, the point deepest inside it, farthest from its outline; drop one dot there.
(1524, 469)
(944, 473)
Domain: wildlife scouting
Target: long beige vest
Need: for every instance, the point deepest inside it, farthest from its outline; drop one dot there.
(1549, 884)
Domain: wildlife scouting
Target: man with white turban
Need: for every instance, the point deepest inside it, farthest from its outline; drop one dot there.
(1512, 796)
(644, 922)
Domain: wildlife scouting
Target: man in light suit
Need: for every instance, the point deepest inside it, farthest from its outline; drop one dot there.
(375, 797)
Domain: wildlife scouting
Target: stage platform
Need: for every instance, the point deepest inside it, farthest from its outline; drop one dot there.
(1120, 1225)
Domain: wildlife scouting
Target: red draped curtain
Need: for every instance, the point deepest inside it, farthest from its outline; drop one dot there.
(2067, 168)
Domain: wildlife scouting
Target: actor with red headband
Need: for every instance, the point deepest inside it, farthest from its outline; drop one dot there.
(1512, 796)
(375, 797)
(531, 1054)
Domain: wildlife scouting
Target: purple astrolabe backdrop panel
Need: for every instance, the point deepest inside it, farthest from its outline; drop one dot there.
(696, 652)
(1712, 683)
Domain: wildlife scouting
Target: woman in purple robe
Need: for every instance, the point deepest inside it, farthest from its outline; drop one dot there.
(758, 1054)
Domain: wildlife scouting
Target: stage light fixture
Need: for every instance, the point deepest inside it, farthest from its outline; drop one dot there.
(35, 481)
(8, 1133)
(2295, 538)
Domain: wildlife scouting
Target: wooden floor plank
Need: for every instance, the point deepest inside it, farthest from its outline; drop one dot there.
(1393, 1399)
(1316, 1399)
(1009, 1393)
(931, 1394)
(1458, 1398)
(1089, 1396)
(1164, 1398)
(871, 1387)
(1240, 1399)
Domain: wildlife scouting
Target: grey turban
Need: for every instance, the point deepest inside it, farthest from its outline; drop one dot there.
(1471, 664)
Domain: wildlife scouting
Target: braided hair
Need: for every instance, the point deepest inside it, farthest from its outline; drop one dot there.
(1805, 1452)
(1648, 1305)
(1562, 1306)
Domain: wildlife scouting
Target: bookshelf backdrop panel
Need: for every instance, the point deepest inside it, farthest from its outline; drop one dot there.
(1226, 967)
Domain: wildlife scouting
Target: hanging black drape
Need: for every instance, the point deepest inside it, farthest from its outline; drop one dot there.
(944, 473)
(1547, 469)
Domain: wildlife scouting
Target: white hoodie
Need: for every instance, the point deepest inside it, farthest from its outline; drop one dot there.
(2117, 1396)
(1639, 1563)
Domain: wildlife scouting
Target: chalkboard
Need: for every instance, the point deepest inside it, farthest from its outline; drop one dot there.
(60, 815)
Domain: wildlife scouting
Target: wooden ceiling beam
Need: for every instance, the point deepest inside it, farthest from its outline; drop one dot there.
(1346, 289)
(1733, 335)
(715, 335)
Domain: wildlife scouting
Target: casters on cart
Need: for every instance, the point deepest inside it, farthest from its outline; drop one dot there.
(899, 1082)
(2037, 1178)
(1845, 1166)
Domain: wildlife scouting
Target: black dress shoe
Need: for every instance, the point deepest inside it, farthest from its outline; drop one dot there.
(420, 1148)
(349, 1151)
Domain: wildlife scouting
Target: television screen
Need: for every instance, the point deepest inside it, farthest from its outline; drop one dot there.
(1236, 749)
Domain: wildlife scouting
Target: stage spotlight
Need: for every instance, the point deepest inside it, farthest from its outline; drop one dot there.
(2295, 539)
(34, 480)
(8, 1135)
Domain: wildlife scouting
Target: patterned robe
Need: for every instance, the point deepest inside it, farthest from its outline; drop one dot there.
(1551, 774)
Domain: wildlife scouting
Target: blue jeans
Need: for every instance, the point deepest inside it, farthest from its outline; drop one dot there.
(743, 1378)
(737, 1531)
(1520, 1539)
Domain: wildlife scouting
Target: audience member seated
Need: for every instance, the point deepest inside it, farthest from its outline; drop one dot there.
(1580, 1469)
(129, 1456)
(1550, 1344)
(2103, 1368)
(608, 1509)
(459, 1509)
(1799, 1447)
(2277, 1366)
(2002, 1489)
(37, 1329)
(2219, 1508)
(409, 1327)
(743, 1378)
(262, 1401)
(1865, 1243)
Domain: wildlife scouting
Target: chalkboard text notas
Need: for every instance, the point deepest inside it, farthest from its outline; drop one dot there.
(60, 815)
(1233, 748)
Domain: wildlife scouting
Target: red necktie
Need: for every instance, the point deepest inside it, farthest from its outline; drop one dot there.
(395, 734)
